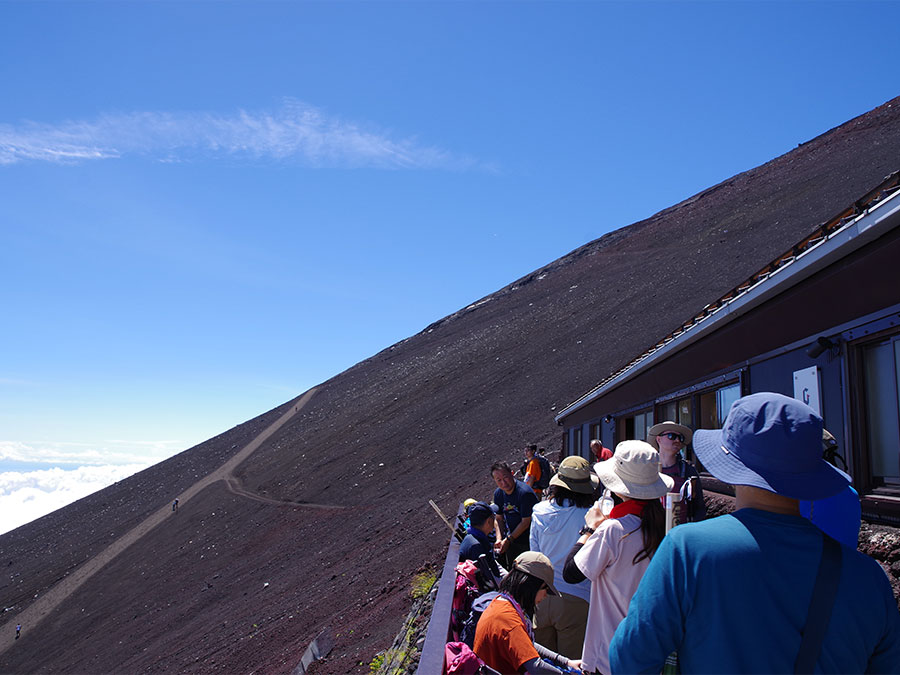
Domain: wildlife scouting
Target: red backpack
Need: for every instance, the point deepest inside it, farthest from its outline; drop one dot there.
(465, 592)
(459, 659)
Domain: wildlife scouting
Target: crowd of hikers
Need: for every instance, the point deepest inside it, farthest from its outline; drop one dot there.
(615, 568)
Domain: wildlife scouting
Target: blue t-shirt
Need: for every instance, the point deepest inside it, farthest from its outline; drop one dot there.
(839, 517)
(731, 595)
(470, 547)
(516, 506)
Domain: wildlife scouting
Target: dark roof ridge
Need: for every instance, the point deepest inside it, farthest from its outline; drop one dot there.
(887, 187)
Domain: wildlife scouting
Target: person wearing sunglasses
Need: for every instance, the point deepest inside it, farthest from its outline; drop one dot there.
(670, 438)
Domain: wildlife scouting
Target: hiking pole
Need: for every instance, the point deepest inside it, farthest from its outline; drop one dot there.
(446, 521)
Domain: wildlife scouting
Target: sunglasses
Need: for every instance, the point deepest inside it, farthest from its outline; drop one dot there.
(672, 436)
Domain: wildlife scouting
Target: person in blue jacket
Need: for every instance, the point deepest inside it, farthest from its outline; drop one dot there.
(479, 539)
(733, 594)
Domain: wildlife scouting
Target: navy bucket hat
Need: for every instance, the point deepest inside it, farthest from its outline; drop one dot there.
(773, 442)
(481, 511)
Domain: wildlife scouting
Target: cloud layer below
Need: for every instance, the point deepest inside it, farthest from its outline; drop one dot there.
(83, 454)
(295, 133)
(39, 477)
(27, 495)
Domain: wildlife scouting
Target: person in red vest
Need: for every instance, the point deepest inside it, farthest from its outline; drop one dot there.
(601, 453)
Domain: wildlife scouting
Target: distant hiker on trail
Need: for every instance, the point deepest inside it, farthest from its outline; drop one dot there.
(18, 630)
(516, 500)
(537, 471)
(175, 505)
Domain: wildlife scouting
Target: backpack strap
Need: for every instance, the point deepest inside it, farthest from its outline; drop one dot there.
(820, 607)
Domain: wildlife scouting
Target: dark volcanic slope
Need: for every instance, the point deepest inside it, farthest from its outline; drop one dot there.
(420, 420)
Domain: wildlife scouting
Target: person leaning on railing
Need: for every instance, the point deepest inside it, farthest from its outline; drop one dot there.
(479, 540)
(515, 501)
(504, 638)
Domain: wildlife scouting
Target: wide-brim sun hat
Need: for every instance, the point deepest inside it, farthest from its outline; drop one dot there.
(666, 427)
(633, 471)
(773, 442)
(574, 473)
(537, 565)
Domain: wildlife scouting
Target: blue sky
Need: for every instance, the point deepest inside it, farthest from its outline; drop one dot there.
(207, 208)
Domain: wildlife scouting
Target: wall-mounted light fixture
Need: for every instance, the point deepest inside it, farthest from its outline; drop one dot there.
(817, 348)
(608, 419)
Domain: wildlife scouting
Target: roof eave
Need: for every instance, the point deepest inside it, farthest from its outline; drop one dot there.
(869, 225)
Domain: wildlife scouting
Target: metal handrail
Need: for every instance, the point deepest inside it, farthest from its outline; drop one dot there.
(431, 660)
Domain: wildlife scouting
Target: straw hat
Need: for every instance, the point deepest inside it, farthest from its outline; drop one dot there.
(633, 471)
(575, 474)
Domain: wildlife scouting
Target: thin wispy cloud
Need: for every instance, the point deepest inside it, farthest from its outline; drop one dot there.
(294, 133)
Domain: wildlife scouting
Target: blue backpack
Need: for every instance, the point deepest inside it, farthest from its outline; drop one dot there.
(479, 604)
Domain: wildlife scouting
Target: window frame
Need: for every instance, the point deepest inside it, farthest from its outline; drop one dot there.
(623, 419)
(694, 393)
(860, 458)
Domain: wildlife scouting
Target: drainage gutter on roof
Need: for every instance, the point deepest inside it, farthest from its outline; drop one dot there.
(868, 226)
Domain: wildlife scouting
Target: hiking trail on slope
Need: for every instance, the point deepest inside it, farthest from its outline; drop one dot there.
(49, 601)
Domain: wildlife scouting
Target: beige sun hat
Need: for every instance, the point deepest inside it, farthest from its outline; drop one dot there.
(575, 474)
(666, 427)
(537, 565)
(633, 471)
